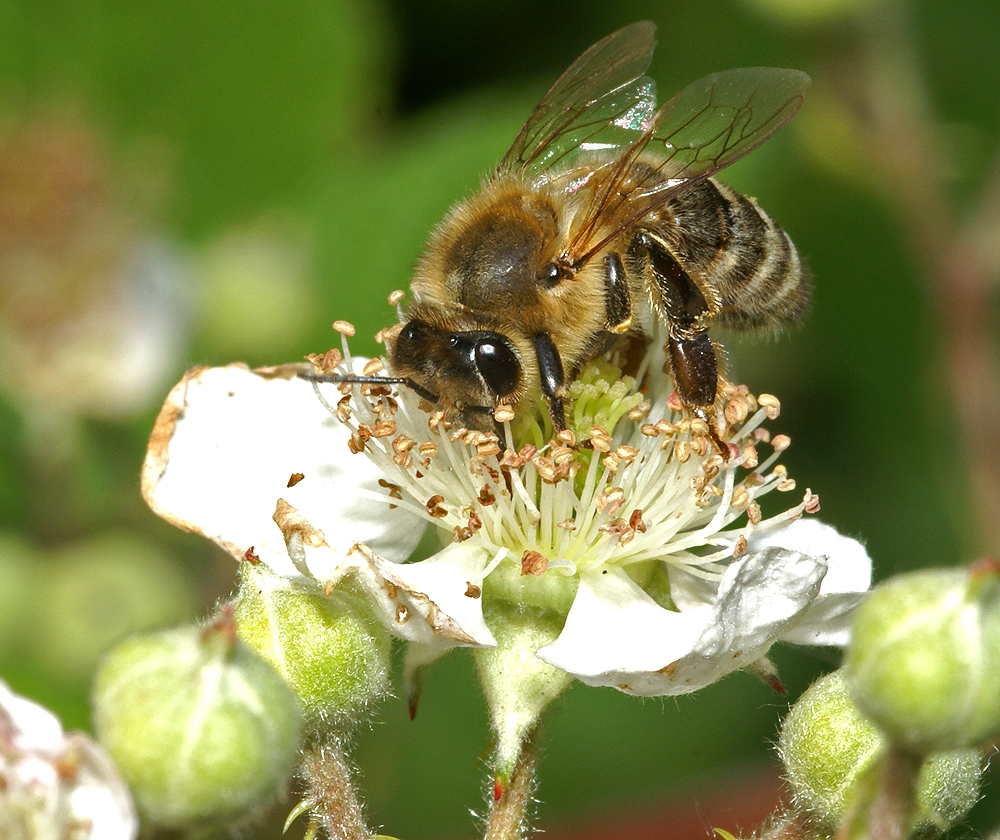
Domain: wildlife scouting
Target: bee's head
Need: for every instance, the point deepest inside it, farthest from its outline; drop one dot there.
(465, 371)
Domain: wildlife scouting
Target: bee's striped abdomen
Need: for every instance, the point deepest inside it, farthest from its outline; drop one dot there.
(761, 280)
(739, 254)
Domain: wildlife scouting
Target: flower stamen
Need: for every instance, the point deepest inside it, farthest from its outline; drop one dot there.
(563, 501)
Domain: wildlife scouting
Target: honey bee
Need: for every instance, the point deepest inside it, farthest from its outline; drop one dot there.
(602, 219)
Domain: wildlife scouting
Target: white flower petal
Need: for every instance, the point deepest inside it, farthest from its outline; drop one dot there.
(759, 596)
(688, 591)
(32, 727)
(437, 602)
(617, 636)
(58, 785)
(225, 447)
(446, 590)
(850, 567)
(99, 797)
(826, 621)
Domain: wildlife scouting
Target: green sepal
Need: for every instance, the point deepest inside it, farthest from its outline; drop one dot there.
(329, 648)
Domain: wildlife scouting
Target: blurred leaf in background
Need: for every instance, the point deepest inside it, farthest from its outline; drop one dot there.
(248, 98)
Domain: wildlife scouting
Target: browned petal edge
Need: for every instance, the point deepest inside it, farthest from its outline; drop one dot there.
(158, 448)
(439, 621)
(157, 458)
(290, 521)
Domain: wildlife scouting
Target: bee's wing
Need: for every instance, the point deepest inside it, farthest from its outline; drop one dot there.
(602, 101)
(707, 126)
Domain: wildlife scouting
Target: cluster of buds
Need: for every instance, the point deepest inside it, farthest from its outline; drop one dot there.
(896, 742)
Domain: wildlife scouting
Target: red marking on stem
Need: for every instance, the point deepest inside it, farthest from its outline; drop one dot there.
(773, 681)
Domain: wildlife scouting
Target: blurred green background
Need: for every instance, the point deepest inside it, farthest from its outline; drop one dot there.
(187, 183)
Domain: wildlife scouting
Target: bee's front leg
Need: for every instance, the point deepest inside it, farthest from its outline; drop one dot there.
(552, 378)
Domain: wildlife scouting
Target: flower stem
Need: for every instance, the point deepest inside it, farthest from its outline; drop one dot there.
(508, 819)
(891, 813)
(328, 785)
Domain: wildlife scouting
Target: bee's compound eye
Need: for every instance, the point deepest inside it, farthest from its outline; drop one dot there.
(498, 365)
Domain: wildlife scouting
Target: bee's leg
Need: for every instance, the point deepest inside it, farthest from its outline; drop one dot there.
(550, 371)
(681, 301)
(687, 312)
(695, 370)
(617, 296)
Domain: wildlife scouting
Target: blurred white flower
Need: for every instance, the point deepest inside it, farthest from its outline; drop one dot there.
(55, 786)
(92, 311)
(650, 543)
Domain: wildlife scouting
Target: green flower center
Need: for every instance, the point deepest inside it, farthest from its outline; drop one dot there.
(601, 396)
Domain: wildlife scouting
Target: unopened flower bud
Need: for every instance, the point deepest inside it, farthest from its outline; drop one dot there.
(202, 728)
(923, 658)
(329, 648)
(831, 751)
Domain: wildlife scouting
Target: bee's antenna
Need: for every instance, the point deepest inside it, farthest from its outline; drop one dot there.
(356, 379)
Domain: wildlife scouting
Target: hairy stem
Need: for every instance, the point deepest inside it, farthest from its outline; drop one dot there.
(329, 788)
(893, 808)
(508, 819)
(786, 826)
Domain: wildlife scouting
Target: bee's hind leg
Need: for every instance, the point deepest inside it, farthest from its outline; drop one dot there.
(695, 371)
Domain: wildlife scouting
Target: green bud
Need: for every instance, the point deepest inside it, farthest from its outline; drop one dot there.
(330, 649)
(202, 729)
(826, 745)
(831, 752)
(923, 658)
